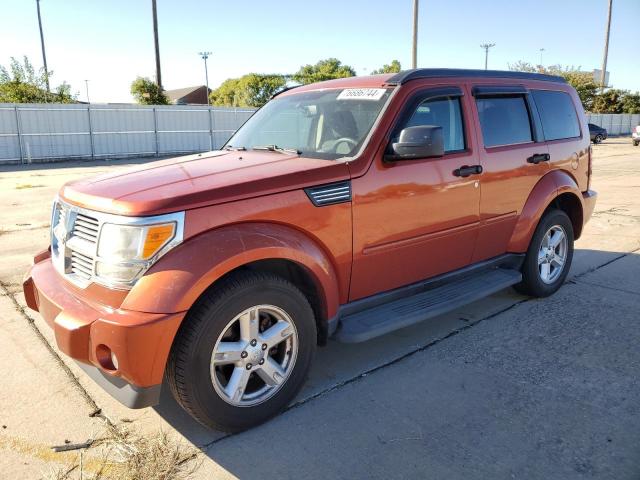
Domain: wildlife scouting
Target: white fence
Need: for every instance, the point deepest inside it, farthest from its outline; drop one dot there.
(46, 132)
(615, 123)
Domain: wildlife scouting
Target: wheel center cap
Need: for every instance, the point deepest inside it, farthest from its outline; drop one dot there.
(254, 354)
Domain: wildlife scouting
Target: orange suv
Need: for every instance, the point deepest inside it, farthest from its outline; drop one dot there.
(348, 208)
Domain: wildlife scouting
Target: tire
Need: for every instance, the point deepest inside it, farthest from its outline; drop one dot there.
(635, 144)
(533, 273)
(198, 384)
(597, 139)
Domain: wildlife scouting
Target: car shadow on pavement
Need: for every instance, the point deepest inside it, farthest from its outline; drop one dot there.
(509, 385)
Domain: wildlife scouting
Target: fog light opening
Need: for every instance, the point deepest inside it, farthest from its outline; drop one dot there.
(107, 358)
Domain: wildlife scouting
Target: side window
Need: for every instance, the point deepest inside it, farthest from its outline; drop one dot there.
(558, 116)
(446, 113)
(504, 120)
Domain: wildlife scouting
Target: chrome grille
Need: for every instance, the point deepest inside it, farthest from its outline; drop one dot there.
(81, 265)
(86, 227)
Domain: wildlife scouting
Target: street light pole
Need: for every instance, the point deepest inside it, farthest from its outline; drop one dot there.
(606, 49)
(44, 55)
(486, 47)
(204, 56)
(86, 84)
(414, 48)
(157, 45)
(541, 50)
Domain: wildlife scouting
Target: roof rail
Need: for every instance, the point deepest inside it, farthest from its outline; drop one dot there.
(414, 74)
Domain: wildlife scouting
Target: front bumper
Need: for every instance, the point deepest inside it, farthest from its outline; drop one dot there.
(89, 332)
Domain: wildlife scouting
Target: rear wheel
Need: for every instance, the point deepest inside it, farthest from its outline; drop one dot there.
(598, 139)
(243, 352)
(549, 256)
(636, 142)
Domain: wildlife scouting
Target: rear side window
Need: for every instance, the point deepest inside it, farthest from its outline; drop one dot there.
(446, 113)
(504, 120)
(559, 119)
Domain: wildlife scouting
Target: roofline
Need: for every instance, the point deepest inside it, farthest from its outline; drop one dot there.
(417, 73)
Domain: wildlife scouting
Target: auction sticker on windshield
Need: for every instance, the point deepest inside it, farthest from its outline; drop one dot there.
(361, 94)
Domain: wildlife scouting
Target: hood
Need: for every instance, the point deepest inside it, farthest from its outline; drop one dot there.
(199, 180)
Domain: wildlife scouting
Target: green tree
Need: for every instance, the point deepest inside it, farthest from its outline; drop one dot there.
(393, 67)
(631, 103)
(610, 101)
(147, 92)
(323, 70)
(21, 83)
(583, 82)
(252, 90)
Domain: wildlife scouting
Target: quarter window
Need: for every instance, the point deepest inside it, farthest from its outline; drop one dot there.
(504, 120)
(444, 112)
(558, 116)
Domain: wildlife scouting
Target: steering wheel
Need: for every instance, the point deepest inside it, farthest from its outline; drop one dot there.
(346, 140)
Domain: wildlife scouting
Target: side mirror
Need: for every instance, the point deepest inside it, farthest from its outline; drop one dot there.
(421, 141)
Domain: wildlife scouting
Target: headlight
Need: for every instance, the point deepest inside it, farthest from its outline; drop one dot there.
(127, 246)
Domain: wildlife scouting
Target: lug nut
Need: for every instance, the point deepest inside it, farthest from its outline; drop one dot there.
(244, 354)
(261, 361)
(254, 342)
(249, 366)
(264, 346)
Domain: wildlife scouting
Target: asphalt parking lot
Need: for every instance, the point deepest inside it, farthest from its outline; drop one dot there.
(508, 387)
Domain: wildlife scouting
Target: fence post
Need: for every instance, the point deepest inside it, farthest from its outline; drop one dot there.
(93, 152)
(155, 130)
(19, 131)
(210, 112)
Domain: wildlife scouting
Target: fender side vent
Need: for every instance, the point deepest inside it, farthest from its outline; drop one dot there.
(329, 194)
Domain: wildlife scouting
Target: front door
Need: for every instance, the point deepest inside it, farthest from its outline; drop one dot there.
(414, 219)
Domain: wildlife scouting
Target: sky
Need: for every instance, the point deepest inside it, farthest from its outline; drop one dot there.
(110, 43)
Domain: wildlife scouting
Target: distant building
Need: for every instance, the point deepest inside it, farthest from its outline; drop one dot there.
(188, 96)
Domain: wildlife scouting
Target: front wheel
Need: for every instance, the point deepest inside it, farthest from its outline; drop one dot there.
(243, 351)
(549, 256)
(636, 143)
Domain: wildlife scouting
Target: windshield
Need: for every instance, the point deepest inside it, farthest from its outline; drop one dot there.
(327, 124)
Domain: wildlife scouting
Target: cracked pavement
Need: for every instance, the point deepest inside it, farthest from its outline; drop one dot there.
(508, 387)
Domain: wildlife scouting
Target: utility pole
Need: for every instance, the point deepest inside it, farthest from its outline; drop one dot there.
(414, 49)
(86, 84)
(204, 56)
(157, 46)
(541, 50)
(44, 55)
(486, 47)
(606, 50)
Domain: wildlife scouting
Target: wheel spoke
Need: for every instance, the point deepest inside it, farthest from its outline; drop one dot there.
(277, 333)
(228, 352)
(237, 383)
(556, 238)
(545, 271)
(557, 261)
(542, 256)
(271, 373)
(249, 324)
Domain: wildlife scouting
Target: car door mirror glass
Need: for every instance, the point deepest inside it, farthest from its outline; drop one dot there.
(421, 141)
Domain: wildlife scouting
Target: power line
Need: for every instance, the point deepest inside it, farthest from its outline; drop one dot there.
(486, 47)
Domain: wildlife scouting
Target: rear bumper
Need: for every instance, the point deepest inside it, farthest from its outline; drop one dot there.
(90, 333)
(589, 201)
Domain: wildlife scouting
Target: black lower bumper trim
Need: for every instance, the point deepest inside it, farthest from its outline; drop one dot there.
(129, 395)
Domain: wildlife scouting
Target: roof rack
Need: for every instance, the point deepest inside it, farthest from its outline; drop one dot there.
(407, 75)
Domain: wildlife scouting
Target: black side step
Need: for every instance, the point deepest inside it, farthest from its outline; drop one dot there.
(385, 318)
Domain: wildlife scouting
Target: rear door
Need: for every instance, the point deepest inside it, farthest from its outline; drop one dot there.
(513, 156)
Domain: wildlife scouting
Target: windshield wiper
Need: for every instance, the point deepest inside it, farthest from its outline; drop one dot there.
(275, 148)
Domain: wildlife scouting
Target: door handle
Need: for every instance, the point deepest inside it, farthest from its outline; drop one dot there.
(466, 170)
(536, 158)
